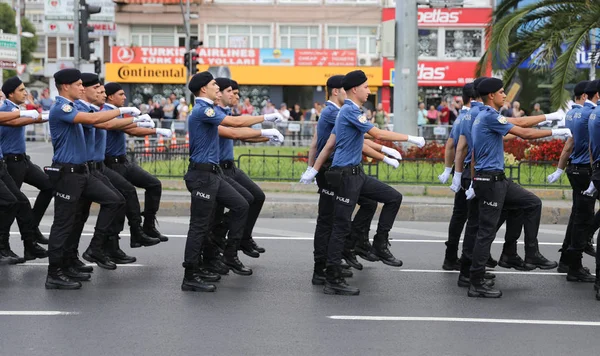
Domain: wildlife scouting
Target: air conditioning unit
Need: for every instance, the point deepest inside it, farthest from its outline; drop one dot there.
(365, 60)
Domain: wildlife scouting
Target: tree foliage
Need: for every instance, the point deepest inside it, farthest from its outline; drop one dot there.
(7, 24)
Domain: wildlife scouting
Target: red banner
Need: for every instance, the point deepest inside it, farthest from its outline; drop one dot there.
(475, 17)
(449, 74)
(174, 55)
(325, 57)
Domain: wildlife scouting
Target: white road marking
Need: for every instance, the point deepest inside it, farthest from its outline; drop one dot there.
(35, 313)
(87, 264)
(492, 271)
(466, 320)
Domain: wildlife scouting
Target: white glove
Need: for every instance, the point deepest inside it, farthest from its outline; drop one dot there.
(164, 132)
(274, 117)
(555, 116)
(146, 124)
(555, 176)
(391, 152)
(45, 117)
(591, 190)
(562, 132)
(456, 180)
(309, 175)
(130, 110)
(392, 162)
(142, 118)
(444, 176)
(417, 140)
(470, 193)
(34, 114)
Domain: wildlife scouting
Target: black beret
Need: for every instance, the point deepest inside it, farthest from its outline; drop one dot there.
(469, 90)
(10, 85)
(354, 79)
(489, 85)
(592, 87)
(335, 82)
(223, 83)
(234, 85)
(90, 79)
(476, 83)
(112, 88)
(199, 80)
(580, 87)
(67, 76)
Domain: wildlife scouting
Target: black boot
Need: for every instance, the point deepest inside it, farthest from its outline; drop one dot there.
(139, 237)
(589, 248)
(597, 284)
(231, 260)
(219, 236)
(346, 273)
(479, 288)
(256, 247)
(464, 276)
(491, 262)
(248, 249)
(363, 248)
(451, 262)
(40, 238)
(193, 283)
(95, 253)
(7, 253)
(81, 267)
(150, 228)
(538, 260)
(318, 277)
(381, 250)
(215, 265)
(32, 251)
(115, 253)
(514, 261)
(56, 279)
(208, 276)
(336, 284)
(75, 274)
(351, 260)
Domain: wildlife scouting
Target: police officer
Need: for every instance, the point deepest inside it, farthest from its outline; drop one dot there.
(349, 181)
(70, 177)
(12, 201)
(206, 184)
(116, 159)
(490, 184)
(19, 166)
(594, 132)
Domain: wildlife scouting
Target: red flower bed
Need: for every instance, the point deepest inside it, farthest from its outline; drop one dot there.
(517, 148)
(546, 150)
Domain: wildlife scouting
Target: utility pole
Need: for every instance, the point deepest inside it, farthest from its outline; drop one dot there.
(186, 22)
(19, 30)
(405, 81)
(76, 44)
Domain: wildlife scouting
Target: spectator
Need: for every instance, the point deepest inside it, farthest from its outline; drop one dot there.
(46, 101)
(517, 112)
(247, 108)
(174, 100)
(169, 110)
(382, 118)
(432, 115)
(421, 115)
(537, 110)
(506, 110)
(182, 109)
(296, 113)
(370, 116)
(445, 113)
(269, 108)
(315, 112)
(156, 111)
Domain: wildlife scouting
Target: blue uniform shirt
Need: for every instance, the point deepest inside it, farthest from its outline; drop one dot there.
(116, 142)
(204, 132)
(489, 129)
(455, 131)
(326, 124)
(593, 130)
(89, 131)
(467, 125)
(67, 136)
(578, 124)
(12, 139)
(350, 128)
(100, 147)
(225, 144)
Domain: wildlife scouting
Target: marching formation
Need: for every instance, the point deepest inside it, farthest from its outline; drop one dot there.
(89, 123)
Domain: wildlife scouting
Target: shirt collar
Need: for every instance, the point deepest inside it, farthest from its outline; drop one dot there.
(332, 103)
(95, 107)
(576, 106)
(588, 101)
(496, 111)
(65, 99)
(476, 103)
(465, 108)
(110, 106)
(11, 103)
(205, 99)
(348, 101)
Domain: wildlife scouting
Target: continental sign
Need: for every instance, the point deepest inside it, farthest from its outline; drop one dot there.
(244, 75)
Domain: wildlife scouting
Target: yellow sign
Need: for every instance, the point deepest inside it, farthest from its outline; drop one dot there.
(244, 75)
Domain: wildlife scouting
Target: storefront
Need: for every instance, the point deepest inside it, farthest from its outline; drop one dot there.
(451, 42)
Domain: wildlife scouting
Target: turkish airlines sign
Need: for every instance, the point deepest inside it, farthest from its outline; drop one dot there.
(174, 55)
(467, 17)
(435, 73)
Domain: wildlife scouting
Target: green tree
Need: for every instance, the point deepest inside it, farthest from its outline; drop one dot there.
(543, 28)
(7, 24)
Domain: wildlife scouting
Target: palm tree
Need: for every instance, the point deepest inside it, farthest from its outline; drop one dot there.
(552, 31)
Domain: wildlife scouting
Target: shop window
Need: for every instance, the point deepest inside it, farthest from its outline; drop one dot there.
(428, 43)
(463, 43)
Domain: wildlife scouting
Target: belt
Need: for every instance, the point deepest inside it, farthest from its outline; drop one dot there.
(72, 168)
(577, 166)
(596, 165)
(353, 170)
(92, 165)
(489, 176)
(227, 164)
(2, 163)
(206, 167)
(15, 157)
(116, 159)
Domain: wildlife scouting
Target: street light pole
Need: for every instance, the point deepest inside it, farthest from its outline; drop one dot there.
(19, 30)
(405, 81)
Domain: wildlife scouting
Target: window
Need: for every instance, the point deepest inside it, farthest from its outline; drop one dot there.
(353, 2)
(463, 43)
(301, 2)
(361, 38)
(238, 36)
(291, 36)
(428, 43)
(65, 48)
(160, 36)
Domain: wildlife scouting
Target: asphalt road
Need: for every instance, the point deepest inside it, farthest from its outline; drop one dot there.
(413, 310)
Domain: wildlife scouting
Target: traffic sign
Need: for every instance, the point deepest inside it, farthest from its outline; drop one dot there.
(21, 68)
(8, 54)
(8, 64)
(8, 41)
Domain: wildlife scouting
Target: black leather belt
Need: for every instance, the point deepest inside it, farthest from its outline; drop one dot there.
(596, 165)
(206, 167)
(227, 164)
(95, 165)
(72, 168)
(15, 158)
(115, 159)
(580, 166)
(353, 170)
(489, 176)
